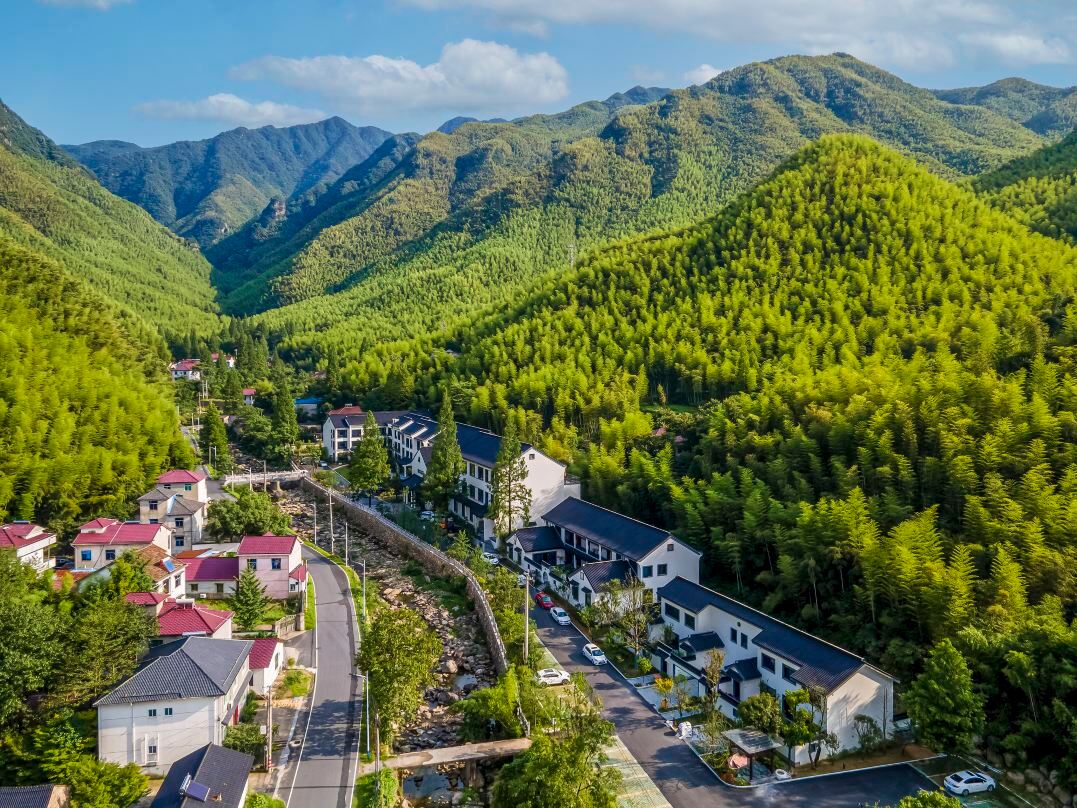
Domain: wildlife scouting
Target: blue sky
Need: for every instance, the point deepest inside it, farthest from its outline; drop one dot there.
(154, 71)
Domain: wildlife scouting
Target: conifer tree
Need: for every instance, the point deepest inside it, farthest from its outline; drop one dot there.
(945, 711)
(369, 465)
(510, 498)
(446, 462)
(213, 440)
(250, 600)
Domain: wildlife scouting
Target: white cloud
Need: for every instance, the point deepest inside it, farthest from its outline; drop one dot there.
(647, 75)
(469, 76)
(701, 74)
(231, 109)
(99, 5)
(918, 34)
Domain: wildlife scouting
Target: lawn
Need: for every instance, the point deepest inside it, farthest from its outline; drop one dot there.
(274, 612)
(295, 683)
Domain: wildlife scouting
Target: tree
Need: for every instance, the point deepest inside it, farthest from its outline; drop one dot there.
(399, 652)
(232, 391)
(682, 693)
(31, 646)
(250, 600)
(369, 467)
(761, 712)
(446, 462)
(663, 686)
(247, 738)
(510, 498)
(252, 513)
(213, 440)
(285, 422)
(712, 676)
(126, 574)
(869, 736)
(98, 784)
(946, 712)
(808, 725)
(635, 619)
(490, 713)
(930, 799)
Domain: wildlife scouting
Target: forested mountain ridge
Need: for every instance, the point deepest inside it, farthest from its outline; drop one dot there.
(1039, 190)
(1050, 111)
(207, 189)
(652, 166)
(56, 208)
(884, 449)
(86, 414)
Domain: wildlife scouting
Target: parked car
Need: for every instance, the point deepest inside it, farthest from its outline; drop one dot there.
(521, 580)
(491, 558)
(594, 654)
(543, 600)
(560, 616)
(427, 516)
(551, 676)
(322, 464)
(969, 782)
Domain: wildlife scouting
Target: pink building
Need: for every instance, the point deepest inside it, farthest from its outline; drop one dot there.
(277, 560)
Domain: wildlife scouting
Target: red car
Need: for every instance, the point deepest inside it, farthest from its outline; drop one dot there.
(543, 600)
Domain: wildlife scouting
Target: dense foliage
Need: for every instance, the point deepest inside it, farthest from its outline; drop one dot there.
(1043, 109)
(206, 189)
(86, 421)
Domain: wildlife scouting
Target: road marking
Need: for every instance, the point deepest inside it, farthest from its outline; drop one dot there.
(313, 697)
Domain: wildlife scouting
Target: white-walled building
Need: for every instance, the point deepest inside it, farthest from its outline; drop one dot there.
(212, 775)
(188, 484)
(277, 561)
(266, 661)
(185, 370)
(103, 540)
(763, 654)
(183, 695)
(29, 542)
(185, 516)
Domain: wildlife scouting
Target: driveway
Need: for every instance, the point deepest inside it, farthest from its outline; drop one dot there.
(682, 777)
(323, 773)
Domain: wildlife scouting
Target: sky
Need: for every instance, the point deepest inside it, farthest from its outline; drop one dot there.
(157, 71)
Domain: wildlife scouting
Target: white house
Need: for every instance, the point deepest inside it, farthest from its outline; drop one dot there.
(185, 370)
(763, 654)
(249, 394)
(30, 543)
(343, 428)
(189, 484)
(578, 535)
(168, 574)
(103, 540)
(212, 576)
(183, 695)
(182, 617)
(266, 661)
(212, 775)
(185, 516)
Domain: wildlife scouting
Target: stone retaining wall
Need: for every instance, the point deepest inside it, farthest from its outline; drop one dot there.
(432, 559)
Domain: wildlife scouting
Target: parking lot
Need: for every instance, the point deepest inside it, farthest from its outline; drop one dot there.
(1002, 797)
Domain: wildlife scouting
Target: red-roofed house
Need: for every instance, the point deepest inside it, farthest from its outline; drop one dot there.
(102, 541)
(266, 661)
(248, 395)
(274, 559)
(212, 576)
(29, 541)
(228, 359)
(188, 484)
(185, 370)
(184, 618)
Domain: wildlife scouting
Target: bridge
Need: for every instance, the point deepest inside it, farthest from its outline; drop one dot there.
(256, 478)
(468, 753)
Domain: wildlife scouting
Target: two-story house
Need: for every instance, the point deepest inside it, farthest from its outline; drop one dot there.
(185, 370)
(185, 516)
(101, 541)
(212, 775)
(29, 542)
(168, 574)
(764, 655)
(596, 545)
(342, 430)
(188, 484)
(277, 561)
(182, 617)
(183, 695)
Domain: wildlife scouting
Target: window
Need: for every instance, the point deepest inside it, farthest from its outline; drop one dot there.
(110, 555)
(662, 569)
(179, 521)
(587, 597)
(152, 712)
(766, 662)
(168, 711)
(151, 749)
(179, 541)
(787, 674)
(153, 504)
(220, 589)
(733, 636)
(647, 571)
(672, 611)
(154, 521)
(186, 486)
(531, 456)
(669, 547)
(252, 563)
(743, 640)
(689, 620)
(85, 555)
(274, 563)
(194, 587)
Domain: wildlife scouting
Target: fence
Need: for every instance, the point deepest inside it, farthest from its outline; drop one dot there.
(254, 478)
(430, 557)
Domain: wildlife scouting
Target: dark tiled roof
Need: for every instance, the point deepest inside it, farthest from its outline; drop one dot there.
(538, 539)
(481, 445)
(743, 669)
(703, 641)
(28, 796)
(187, 668)
(412, 481)
(820, 663)
(222, 771)
(629, 537)
(600, 573)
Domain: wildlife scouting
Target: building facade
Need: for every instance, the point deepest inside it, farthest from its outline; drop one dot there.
(103, 540)
(29, 542)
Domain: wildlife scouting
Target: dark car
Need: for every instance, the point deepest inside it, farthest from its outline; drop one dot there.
(543, 600)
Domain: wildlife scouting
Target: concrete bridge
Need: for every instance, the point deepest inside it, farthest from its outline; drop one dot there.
(468, 753)
(259, 478)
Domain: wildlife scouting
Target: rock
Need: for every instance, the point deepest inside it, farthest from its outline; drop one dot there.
(449, 666)
(1062, 795)
(1009, 760)
(1016, 778)
(1033, 777)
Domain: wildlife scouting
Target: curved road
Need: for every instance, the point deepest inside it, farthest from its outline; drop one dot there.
(324, 773)
(680, 775)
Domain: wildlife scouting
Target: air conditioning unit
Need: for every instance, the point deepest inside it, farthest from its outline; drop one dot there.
(201, 595)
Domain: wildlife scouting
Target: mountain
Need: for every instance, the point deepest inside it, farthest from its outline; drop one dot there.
(468, 220)
(86, 414)
(1039, 190)
(1049, 111)
(56, 208)
(206, 189)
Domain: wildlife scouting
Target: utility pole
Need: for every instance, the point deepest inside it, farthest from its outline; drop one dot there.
(347, 547)
(315, 506)
(269, 732)
(527, 606)
(364, 591)
(366, 680)
(332, 535)
(265, 478)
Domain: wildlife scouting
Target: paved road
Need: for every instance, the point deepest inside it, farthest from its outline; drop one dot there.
(683, 779)
(324, 774)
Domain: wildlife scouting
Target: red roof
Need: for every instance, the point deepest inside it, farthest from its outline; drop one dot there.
(189, 554)
(22, 534)
(185, 364)
(145, 598)
(351, 409)
(109, 531)
(213, 568)
(249, 391)
(176, 619)
(181, 476)
(299, 573)
(267, 545)
(262, 652)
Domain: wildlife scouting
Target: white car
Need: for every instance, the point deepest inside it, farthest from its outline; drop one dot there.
(427, 516)
(521, 580)
(491, 558)
(594, 654)
(551, 676)
(968, 782)
(560, 616)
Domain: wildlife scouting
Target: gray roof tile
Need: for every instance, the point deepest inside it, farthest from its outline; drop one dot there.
(187, 668)
(223, 771)
(622, 534)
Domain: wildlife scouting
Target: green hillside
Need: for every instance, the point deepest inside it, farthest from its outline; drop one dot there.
(1039, 190)
(86, 415)
(1050, 111)
(469, 220)
(55, 208)
(207, 189)
(877, 375)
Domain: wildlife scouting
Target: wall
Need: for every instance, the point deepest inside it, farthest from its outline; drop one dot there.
(683, 561)
(124, 730)
(867, 692)
(432, 559)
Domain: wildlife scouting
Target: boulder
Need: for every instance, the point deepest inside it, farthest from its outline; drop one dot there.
(1016, 778)
(449, 666)
(1062, 795)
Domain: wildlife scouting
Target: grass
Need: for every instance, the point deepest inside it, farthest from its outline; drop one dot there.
(366, 792)
(450, 590)
(310, 612)
(274, 612)
(296, 683)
